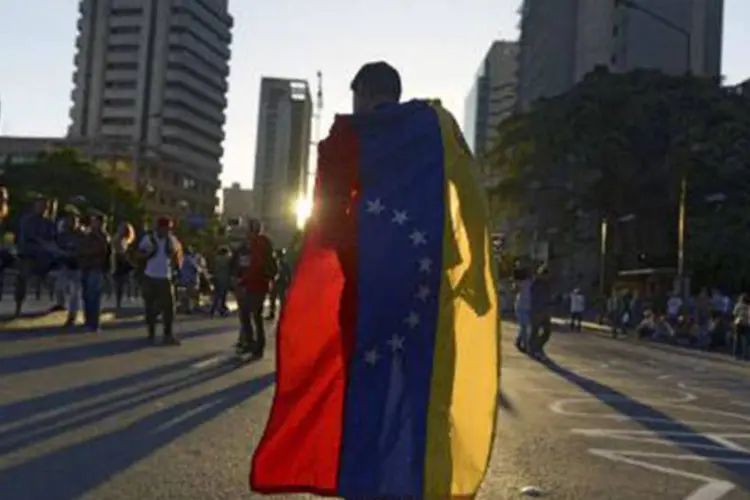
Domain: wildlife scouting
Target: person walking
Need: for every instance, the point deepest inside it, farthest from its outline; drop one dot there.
(123, 264)
(161, 254)
(221, 277)
(522, 285)
(741, 328)
(254, 268)
(541, 313)
(68, 284)
(33, 241)
(577, 309)
(93, 260)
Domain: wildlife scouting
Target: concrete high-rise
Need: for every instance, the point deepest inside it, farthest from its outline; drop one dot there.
(563, 40)
(639, 41)
(282, 154)
(152, 75)
(492, 97)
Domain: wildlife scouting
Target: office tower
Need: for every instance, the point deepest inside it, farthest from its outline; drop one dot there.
(237, 203)
(152, 75)
(563, 40)
(640, 41)
(282, 154)
(546, 63)
(492, 97)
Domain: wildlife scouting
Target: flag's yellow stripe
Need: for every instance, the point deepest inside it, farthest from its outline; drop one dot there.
(465, 380)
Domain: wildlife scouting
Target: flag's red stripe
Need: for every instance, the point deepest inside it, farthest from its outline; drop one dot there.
(300, 450)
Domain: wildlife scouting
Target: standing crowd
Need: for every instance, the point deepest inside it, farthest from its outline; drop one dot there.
(76, 249)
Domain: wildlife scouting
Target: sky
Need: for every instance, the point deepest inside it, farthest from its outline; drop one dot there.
(437, 46)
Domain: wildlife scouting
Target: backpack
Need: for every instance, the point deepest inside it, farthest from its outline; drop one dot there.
(169, 249)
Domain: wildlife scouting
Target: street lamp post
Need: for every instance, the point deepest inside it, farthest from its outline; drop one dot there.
(667, 23)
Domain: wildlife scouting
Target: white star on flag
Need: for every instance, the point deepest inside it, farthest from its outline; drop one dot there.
(400, 217)
(425, 265)
(396, 343)
(423, 293)
(412, 320)
(375, 207)
(372, 357)
(418, 238)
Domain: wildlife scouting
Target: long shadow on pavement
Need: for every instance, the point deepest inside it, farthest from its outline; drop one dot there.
(72, 471)
(28, 408)
(59, 423)
(39, 360)
(656, 421)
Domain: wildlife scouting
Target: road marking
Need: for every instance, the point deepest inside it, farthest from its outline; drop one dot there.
(560, 407)
(664, 377)
(712, 489)
(207, 363)
(721, 442)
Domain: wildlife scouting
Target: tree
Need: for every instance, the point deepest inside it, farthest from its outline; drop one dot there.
(619, 144)
(64, 176)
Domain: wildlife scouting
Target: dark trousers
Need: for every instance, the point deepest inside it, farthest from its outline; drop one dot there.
(576, 320)
(158, 299)
(252, 329)
(91, 291)
(740, 344)
(541, 331)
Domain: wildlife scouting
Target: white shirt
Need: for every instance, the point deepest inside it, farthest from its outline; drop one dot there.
(159, 266)
(673, 306)
(577, 302)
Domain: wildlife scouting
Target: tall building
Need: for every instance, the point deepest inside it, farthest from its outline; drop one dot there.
(639, 41)
(563, 40)
(492, 97)
(546, 64)
(282, 153)
(153, 74)
(237, 203)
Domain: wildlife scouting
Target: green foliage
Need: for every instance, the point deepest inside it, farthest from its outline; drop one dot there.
(62, 175)
(618, 144)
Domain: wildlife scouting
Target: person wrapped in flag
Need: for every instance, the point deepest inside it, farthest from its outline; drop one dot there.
(388, 351)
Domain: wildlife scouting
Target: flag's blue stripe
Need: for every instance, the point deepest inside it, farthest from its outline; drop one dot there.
(385, 420)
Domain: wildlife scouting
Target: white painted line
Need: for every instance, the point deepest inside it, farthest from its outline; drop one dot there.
(712, 489)
(664, 377)
(207, 363)
(727, 443)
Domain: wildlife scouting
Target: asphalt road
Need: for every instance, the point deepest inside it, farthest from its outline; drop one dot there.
(108, 418)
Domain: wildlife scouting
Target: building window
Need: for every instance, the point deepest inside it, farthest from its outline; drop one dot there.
(127, 12)
(123, 48)
(125, 30)
(118, 121)
(122, 66)
(119, 103)
(121, 84)
(615, 30)
(613, 59)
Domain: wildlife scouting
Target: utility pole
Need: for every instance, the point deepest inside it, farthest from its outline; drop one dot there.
(317, 117)
(682, 208)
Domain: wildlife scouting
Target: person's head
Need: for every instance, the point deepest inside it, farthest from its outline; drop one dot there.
(745, 298)
(4, 200)
(126, 232)
(163, 226)
(254, 227)
(96, 222)
(542, 271)
(40, 206)
(375, 83)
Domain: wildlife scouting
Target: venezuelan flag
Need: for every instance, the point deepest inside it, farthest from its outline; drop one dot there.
(387, 376)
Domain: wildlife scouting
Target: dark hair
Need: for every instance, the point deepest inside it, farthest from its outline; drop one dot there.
(378, 79)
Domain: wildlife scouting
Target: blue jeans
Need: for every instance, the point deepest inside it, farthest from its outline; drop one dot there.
(219, 303)
(92, 281)
(523, 317)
